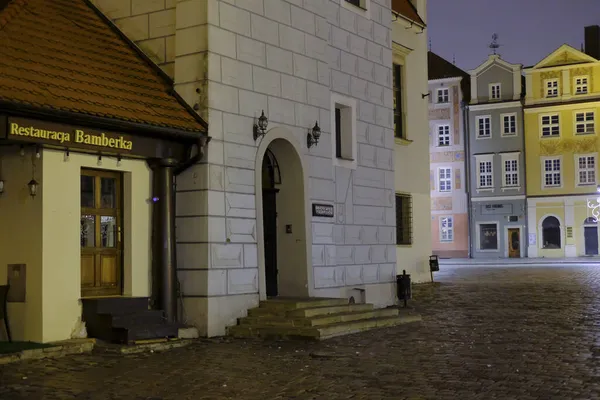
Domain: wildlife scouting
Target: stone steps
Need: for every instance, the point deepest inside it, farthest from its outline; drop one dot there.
(315, 319)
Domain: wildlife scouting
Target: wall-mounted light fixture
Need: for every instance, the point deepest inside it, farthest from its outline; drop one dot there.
(312, 138)
(423, 95)
(66, 158)
(99, 159)
(260, 128)
(22, 151)
(119, 160)
(33, 187)
(1, 186)
(37, 152)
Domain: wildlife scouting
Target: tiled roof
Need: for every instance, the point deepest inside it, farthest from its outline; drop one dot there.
(407, 10)
(439, 68)
(61, 55)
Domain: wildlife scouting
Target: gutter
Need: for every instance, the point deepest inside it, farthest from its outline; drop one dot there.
(465, 110)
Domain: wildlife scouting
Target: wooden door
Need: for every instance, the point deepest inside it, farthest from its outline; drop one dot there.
(514, 243)
(270, 237)
(590, 234)
(100, 234)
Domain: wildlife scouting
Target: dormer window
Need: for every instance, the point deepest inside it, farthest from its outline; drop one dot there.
(443, 95)
(495, 91)
(581, 85)
(552, 88)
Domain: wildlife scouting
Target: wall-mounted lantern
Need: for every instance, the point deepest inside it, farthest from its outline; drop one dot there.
(260, 128)
(1, 186)
(312, 138)
(33, 187)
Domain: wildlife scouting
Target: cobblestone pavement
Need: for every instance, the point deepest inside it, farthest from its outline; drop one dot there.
(488, 333)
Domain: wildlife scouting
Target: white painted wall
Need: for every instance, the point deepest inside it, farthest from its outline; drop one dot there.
(411, 161)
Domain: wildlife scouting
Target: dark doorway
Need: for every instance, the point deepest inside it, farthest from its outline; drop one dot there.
(590, 234)
(270, 178)
(551, 233)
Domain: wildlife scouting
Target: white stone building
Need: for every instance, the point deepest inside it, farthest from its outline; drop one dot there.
(245, 216)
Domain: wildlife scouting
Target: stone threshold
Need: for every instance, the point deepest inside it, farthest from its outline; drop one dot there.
(57, 349)
(142, 346)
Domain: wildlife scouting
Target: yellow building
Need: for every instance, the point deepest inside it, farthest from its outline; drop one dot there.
(561, 110)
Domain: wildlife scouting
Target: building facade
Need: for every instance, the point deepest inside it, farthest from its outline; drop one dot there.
(561, 130)
(88, 152)
(411, 153)
(273, 212)
(448, 89)
(496, 161)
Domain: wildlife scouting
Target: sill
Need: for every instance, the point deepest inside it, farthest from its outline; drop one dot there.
(586, 185)
(552, 187)
(346, 159)
(446, 241)
(509, 134)
(505, 188)
(404, 245)
(488, 250)
(550, 136)
(584, 133)
(402, 141)
(479, 190)
(483, 137)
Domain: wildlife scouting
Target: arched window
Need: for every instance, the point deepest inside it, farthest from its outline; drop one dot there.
(551, 233)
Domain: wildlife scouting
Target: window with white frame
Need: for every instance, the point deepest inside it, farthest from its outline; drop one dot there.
(443, 95)
(509, 124)
(360, 7)
(495, 91)
(510, 170)
(586, 169)
(581, 84)
(443, 135)
(445, 179)
(552, 88)
(343, 127)
(584, 122)
(550, 125)
(552, 170)
(446, 229)
(484, 127)
(485, 171)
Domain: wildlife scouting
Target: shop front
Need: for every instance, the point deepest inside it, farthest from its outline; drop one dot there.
(77, 210)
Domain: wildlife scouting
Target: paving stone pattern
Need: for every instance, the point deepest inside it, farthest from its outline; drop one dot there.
(488, 333)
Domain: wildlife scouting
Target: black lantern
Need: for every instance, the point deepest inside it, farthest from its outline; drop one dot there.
(313, 137)
(261, 127)
(1, 186)
(33, 187)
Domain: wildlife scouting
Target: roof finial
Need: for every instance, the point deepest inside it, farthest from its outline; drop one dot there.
(494, 45)
(429, 44)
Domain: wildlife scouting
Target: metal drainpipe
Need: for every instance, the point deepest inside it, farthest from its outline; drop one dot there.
(466, 137)
(524, 183)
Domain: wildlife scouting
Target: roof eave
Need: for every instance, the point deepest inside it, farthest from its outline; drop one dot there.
(421, 25)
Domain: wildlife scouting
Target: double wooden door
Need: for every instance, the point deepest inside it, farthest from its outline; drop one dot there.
(100, 235)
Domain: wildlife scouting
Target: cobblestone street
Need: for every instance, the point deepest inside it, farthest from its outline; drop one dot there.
(487, 333)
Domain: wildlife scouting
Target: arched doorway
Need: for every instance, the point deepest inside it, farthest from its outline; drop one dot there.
(283, 245)
(551, 237)
(590, 236)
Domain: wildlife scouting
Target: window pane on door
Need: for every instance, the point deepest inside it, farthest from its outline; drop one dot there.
(87, 191)
(88, 231)
(108, 231)
(108, 193)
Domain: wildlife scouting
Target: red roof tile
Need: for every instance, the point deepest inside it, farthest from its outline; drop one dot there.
(407, 10)
(59, 54)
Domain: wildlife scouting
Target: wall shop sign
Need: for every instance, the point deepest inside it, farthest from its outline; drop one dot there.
(66, 136)
(322, 210)
(496, 209)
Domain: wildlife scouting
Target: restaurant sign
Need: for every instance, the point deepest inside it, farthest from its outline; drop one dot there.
(64, 135)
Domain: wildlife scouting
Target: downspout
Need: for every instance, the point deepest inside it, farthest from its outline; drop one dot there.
(524, 183)
(164, 260)
(465, 109)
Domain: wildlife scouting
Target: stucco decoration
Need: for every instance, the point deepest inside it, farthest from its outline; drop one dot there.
(457, 181)
(548, 75)
(439, 113)
(441, 203)
(447, 156)
(568, 145)
(456, 111)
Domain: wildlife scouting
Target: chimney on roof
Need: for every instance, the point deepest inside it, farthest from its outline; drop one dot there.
(592, 41)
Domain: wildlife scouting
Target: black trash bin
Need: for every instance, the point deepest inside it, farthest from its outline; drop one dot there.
(403, 287)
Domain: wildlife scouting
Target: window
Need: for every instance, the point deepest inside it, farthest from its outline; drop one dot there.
(581, 84)
(398, 114)
(484, 127)
(343, 128)
(586, 169)
(485, 174)
(354, 2)
(551, 233)
(495, 91)
(488, 236)
(550, 125)
(510, 170)
(552, 172)
(443, 95)
(446, 229)
(445, 179)
(552, 88)
(509, 124)
(584, 122)
(403, 219)
(443, 135)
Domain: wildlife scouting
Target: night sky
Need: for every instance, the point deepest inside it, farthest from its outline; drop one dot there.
(528, 30)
